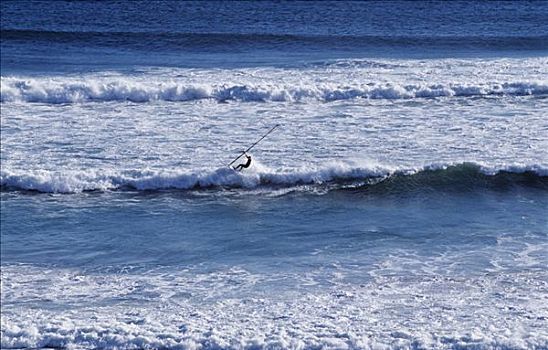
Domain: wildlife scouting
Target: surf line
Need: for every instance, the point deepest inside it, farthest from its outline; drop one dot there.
(246, 165)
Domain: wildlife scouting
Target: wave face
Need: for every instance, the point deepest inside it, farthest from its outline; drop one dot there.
(336, 176)
(101, 90)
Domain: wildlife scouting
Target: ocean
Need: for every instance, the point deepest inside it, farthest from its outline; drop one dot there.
(401, 203)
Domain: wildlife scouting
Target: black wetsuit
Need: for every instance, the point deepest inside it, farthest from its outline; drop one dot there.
(246, 165)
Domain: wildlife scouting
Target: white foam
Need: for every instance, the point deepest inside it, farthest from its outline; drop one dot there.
(104, 138)
(221, 309)
(341, 80)
(72, 90)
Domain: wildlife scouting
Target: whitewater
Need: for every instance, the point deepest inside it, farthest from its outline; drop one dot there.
(402, 203)
(326, 82)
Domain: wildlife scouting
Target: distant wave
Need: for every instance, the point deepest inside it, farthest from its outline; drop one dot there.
(119, 89)
(334, 176)
(214, 41)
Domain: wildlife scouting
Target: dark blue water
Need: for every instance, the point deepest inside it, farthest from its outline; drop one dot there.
(300, 18)
(89, 35)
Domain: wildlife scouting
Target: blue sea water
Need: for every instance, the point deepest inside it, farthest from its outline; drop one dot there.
(402, 203)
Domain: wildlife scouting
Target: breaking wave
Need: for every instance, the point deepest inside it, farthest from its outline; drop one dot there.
(54, 91)
(335, 176)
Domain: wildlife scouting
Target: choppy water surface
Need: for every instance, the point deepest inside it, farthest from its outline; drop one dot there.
(402, 203)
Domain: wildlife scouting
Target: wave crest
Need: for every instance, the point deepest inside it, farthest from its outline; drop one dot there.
(72, 91)
(335, 176)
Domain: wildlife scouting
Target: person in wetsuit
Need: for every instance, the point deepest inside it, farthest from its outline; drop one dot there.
(244, 166)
